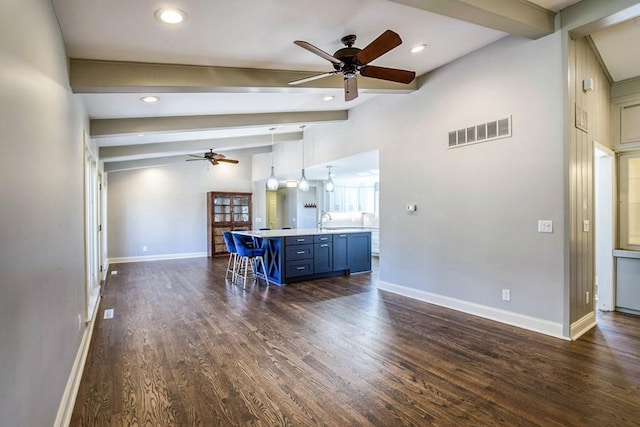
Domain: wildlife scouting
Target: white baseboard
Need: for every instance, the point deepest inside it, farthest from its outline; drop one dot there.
(65, 410)
(579, 327)
(160, 257)
(542, 326)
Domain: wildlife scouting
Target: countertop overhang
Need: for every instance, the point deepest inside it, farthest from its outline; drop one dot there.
(265, 234)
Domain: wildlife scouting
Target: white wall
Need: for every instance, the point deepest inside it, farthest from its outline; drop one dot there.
(41, 219)
(164, 208)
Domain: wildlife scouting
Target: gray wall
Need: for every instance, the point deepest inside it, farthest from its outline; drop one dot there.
(41, 218)
(164, 208)
(475, 231)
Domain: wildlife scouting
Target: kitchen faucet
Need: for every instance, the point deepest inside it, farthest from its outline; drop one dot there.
(322, 217)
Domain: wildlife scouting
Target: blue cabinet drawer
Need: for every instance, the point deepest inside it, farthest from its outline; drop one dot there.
(299, 268)
(295, 252)
(323, 238)
(298, 240)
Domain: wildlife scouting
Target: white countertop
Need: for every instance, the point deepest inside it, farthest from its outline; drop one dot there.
(622, 253)
(299, 232)
(343, 227)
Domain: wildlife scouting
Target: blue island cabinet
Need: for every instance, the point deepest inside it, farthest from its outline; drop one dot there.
(298, 255)
(322, 254)
(352, 252)
(359, 252)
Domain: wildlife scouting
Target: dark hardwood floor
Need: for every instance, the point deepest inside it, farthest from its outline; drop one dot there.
(187, 348)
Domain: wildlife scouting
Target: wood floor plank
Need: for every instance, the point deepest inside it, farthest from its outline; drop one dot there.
(187, 348)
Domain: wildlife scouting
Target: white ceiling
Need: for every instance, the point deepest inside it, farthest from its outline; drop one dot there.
(619, 48)
(255, 35)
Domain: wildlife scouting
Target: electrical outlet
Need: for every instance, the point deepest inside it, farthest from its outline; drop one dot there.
(586, 297)
(114, 272)
(506, 295)
(79, 322)
(108, 313)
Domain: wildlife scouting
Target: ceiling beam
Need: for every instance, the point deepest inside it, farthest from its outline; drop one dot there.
(588, 17)
(146, 125)
(133, 152)
(169, 160)
(92, 76)
(517, 17)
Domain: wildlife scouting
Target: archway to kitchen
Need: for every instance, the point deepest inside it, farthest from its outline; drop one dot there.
(353, 202)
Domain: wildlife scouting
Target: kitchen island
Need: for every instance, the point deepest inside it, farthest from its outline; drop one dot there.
(307, 254)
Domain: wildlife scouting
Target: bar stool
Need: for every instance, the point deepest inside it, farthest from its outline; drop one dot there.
(233, 255)
(250, 258)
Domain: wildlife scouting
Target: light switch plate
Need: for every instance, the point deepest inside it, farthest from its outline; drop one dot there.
(586, 226)
(545, 226)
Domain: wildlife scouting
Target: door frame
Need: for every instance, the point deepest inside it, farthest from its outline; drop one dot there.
(605, 172)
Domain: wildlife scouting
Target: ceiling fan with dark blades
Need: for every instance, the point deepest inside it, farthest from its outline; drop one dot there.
(212, 157)
(350, 61)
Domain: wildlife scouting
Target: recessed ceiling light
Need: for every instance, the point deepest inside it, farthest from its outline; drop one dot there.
(328, 98)
(418, 48)
(149, 99)
(170, 16)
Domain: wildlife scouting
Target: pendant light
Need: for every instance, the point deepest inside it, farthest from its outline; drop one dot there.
(329, 186)
(303, 184)
(272, 181)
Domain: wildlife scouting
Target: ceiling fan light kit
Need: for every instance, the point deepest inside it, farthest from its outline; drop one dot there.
(351, 61)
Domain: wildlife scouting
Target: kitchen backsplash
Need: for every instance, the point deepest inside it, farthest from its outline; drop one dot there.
(352, 219)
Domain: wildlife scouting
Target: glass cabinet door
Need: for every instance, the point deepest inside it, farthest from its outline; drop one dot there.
(221, 209)
(241, 209)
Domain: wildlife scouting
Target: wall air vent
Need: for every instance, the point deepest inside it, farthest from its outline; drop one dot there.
(496, 129)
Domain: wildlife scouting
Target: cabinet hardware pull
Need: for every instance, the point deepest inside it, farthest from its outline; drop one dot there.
(299, 240)
(300, 252)
(342, 235)
(300, 268)
(324, 246)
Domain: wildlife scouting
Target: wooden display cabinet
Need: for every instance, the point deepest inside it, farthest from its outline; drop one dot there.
(226, 212)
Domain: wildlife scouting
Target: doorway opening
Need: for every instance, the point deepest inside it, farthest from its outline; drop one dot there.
(604, 173)
(93, 228)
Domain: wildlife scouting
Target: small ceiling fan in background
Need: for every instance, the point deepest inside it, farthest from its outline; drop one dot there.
(350, 61)
(212, 157)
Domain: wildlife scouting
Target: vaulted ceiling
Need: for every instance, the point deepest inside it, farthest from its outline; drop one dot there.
(222, 75)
